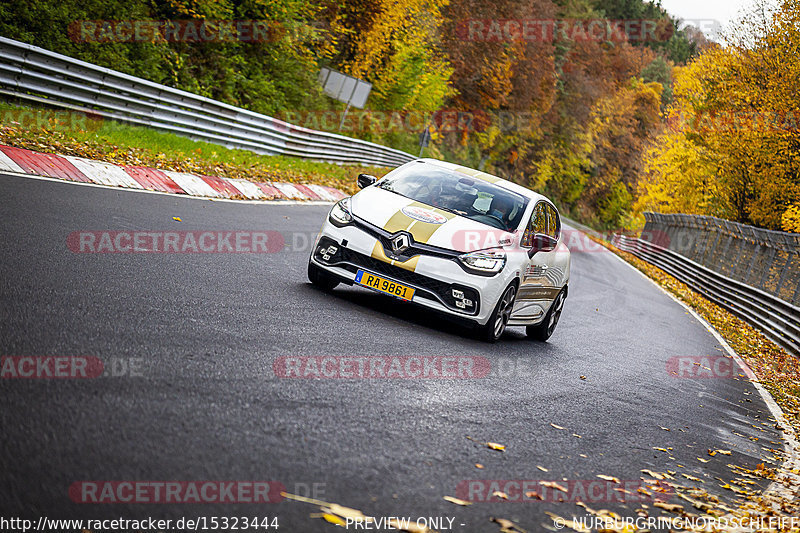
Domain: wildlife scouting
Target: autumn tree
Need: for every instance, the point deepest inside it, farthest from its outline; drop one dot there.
(736, 111)
(589, 154)
(265, 75)
(504, 81)
(395, 46)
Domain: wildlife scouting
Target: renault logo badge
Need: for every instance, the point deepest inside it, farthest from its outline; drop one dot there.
(400, 244)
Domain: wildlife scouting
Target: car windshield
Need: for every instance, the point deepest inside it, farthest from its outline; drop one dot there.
(452, 191)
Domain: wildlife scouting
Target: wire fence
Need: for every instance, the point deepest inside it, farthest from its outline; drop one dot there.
(764, 259)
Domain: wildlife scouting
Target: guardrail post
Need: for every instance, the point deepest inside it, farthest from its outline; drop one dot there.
(784, 271)
(713, 248)
(753, 257)
(739, 250)
(765, 274)
(727, 247)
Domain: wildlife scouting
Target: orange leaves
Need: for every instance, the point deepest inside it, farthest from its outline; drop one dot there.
(712, 453)
(733, 136)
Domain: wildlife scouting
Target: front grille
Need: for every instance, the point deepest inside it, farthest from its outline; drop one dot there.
(415, 249)
(427, 287)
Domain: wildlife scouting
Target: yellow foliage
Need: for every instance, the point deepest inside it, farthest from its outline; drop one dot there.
(394, 45)
(678, 177)
(620, 124)
(790, 220)
(732, 143)
(396, 21)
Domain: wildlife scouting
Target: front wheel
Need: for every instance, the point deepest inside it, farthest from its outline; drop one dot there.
(320, 278)
(497, 323)
(542, 331)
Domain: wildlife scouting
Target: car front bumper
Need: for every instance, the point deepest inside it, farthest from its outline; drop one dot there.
(440, 283)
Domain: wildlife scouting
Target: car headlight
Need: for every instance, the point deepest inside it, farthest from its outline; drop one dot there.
(340, 214)
(484, 262)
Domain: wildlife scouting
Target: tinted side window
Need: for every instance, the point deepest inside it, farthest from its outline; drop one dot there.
(539, 220)
(553, 222)
(537, 224)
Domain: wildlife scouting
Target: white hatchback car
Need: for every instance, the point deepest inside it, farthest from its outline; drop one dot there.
(453, 239)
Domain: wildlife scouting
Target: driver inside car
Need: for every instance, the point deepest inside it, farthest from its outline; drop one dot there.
(449, 198)
(500, 208)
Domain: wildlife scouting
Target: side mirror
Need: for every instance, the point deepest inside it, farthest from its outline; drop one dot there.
(542, 243)
(365, 180)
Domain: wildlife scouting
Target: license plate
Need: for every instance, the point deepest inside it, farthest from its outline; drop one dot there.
(384, 285)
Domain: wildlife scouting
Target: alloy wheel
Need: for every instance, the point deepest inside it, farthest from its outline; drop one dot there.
(504, 312)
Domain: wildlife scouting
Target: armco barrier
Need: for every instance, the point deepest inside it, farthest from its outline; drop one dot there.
(43, 77)
(778, 319)
(766, 259)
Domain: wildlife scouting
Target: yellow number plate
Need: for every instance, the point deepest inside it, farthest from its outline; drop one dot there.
(384, 285)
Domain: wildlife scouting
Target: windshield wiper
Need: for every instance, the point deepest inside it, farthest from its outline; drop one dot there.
(449, 210)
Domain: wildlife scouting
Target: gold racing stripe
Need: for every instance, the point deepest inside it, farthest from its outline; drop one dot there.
(378, 253)
(399, 221)
(478, 174)
(421, 231)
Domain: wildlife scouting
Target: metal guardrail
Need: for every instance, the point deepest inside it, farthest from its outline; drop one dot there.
(38, 75)
(765, 259)
(778, 319)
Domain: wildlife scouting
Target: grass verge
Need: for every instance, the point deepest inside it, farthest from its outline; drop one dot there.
(68, 133)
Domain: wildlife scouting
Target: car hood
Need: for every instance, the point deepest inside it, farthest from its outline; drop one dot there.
(426, 224)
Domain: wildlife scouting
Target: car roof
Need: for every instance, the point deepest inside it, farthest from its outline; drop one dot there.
(485, 176)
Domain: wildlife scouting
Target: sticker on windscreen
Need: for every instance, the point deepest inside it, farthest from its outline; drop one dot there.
(423, 215)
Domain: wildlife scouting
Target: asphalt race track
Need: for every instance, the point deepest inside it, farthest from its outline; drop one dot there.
(203, 332)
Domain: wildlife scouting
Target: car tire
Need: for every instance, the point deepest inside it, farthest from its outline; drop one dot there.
(496, 325)
(542, 331)
(320, 278)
